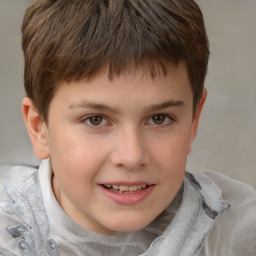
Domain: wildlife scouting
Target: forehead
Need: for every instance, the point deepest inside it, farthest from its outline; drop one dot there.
(131, 87)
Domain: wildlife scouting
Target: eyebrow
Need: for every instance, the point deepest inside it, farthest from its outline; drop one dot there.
(91, 105)
(102, 107)
(166, 104)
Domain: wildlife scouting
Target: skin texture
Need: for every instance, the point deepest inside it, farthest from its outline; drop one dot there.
(142, 133)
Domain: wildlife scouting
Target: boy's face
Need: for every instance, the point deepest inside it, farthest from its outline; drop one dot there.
(106, 138)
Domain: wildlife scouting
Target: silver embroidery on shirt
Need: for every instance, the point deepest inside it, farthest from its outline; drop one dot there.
(27, 204)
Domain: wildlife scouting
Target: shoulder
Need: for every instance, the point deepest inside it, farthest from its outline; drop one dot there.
(15, 182)
(234, 232)
(15, 173)
(24, 223)
(229, 186)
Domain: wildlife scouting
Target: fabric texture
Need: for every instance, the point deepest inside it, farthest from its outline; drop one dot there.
(212, 215)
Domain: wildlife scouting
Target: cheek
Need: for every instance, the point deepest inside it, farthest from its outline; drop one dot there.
(75, 156)
(173, 148)
(171, 159)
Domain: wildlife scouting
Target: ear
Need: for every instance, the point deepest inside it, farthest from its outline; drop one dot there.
(196, 118)
(37, 129)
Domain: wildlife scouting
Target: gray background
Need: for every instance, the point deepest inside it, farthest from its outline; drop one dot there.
(227, 134)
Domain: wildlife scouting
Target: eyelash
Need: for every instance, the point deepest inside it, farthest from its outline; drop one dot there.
(104, 122)
(166, 122)
(89, 119)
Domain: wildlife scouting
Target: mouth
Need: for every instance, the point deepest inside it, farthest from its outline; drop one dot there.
(124, 189)
(127, 194)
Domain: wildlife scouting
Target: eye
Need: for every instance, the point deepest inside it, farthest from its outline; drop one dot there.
(95, 121)
(160, 119)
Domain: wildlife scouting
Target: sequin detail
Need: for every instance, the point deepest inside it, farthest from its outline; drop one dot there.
(27, 204)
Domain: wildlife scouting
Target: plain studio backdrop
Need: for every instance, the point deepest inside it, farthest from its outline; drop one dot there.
(227, 133)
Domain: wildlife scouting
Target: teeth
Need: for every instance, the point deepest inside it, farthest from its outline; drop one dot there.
(125, 188)
(133, 188)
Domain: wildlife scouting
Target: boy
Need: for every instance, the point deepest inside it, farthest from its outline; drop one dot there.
(114, 94)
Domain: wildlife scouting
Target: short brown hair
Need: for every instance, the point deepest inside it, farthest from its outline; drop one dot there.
(69, 40)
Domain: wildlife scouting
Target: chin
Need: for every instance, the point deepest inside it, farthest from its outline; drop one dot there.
(126, 225)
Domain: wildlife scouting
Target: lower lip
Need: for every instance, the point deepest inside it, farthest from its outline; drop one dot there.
(128, 198)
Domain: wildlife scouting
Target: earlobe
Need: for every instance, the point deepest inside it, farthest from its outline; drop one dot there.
(37, 129)
(196, 118)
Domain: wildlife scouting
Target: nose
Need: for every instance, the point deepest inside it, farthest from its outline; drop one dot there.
(129, 150)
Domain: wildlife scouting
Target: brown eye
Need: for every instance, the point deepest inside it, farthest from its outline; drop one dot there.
(158, 119)
(96, 121)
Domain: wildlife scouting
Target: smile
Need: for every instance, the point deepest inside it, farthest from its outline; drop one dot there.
(127, 194)
(125, 189)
